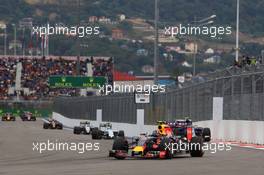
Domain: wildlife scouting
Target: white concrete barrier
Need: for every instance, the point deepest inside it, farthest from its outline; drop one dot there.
(130, 129)
(224, 130)
(236, 130)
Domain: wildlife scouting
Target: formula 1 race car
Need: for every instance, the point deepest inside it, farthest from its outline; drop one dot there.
(8, 117)
(52, 124)
(84, 128)
(168, 141)
(27, 116)
(104, 132)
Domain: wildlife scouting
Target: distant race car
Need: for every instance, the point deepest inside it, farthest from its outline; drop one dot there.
(27, 116)
(104, 132)
(52, 124)
(84, 128)
(169, 140)
(8, 117)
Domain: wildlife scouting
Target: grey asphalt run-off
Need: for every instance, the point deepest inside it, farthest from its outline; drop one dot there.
(18, 158)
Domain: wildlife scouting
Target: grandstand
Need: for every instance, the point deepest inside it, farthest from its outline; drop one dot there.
(33, 81)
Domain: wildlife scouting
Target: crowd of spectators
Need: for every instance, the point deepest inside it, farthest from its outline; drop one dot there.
(102, 67)
(7, 76)
(247, 61)
(36, 71)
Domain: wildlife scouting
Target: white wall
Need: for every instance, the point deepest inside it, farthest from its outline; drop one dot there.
(218, 108)
(130, 129)
(236, 130)
(224, 130)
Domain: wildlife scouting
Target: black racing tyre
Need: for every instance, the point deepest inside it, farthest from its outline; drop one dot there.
(46, 125)
(76, 130)
(14, 119)
(34, 119)
(196, 147)
(59, 126)
(207, 134)
(166, 145)
(121, 133)
(96, 134)
(120, 144)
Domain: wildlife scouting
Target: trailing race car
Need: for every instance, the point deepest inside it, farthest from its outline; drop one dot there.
(27, 116)
(52, 124)
(104, 132)
(168, 141)
(84, 128)
(8, 117)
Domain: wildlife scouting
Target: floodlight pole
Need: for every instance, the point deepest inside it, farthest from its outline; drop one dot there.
(78, 41)
(156, 42)
(237, 32)
(195, 49)
(5, 42)
(195, 40)
(15, 40)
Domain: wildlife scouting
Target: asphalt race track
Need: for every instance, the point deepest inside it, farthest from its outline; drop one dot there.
(18, 158)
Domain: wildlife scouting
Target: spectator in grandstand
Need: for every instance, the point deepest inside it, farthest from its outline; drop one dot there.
(246, 61)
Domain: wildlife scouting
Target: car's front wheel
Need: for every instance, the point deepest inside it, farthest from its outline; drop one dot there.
(46, 125)
(196, 147)
(96, 134)
(77, 130)
(120, 145)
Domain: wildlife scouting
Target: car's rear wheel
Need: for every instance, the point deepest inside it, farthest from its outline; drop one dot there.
(207, 134)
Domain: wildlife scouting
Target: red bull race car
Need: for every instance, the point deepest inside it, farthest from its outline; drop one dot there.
(8, 117)
(169, 140)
